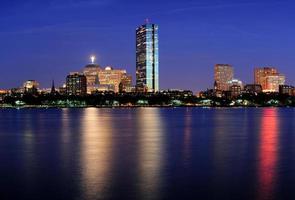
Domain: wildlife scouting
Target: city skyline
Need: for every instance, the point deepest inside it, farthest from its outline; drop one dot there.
(48, 48)
(223, 76)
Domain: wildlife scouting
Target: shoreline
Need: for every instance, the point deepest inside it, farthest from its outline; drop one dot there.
(119, 107)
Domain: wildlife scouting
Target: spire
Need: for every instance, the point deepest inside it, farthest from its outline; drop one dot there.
(147, 20)
(53, 88)
(92, 58)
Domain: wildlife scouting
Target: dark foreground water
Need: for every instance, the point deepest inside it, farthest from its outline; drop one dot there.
(147, 153)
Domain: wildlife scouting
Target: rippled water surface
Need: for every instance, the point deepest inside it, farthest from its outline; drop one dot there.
(147, 153)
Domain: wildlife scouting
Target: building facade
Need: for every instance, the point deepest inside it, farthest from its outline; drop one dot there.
(91, 72)
(115, 78)
(253, 89)
(31, 86)
(223, 73)
(147, 58)
(269, 78)
(286, 89)
(76, 84)
(235, 87)
(126, 83)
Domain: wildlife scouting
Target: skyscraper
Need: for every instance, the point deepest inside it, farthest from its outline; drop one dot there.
(147, 58)
(223, 73)
(269, 78)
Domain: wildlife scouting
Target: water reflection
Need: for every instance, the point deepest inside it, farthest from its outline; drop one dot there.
(221, 143)
(268, 153)
(151, 129)
(29, 138)
(96, 150)
(187, 135)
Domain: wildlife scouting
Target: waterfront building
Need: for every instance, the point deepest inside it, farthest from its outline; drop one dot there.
(269, 78)
(91, 72)
(76, 84)
(3, 92)
(63, 89)
(223, 73)
(115, 78)
(253, 88)
(126, 83)
(286, 89)
(235, 87)
(45, 91)
(105, 88)
(31, 86)
(235, 90)
(235, 82)
(147, 58)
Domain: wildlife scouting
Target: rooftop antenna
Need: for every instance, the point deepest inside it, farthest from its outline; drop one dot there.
(92, 58)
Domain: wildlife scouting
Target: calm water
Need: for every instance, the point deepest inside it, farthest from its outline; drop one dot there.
(147, 153)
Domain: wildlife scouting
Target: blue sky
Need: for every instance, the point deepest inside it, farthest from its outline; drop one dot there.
(46, 39)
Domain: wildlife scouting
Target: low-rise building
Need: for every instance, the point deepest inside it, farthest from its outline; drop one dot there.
(253, 89)
(286, 89)
(31, 86)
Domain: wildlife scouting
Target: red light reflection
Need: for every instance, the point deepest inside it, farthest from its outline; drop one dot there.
(268, 153)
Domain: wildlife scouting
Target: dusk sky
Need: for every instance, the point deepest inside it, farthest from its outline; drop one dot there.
(45, 40)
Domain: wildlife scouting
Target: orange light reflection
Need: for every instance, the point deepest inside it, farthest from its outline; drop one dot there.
(96, 153)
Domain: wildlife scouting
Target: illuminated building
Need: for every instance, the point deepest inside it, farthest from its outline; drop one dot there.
(3, 92)
(76, 84)
(253, 88)
(269, 78)
(235, 87)
(126, 83)
(235, 90)
(114, 77)
(63, 89)
(223, 73)
(147, 58)
(91, 72)
(31, 86)
(105, 88)
(286, 89)
(235, 82)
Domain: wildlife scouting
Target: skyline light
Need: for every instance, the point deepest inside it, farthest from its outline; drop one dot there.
(92, 58)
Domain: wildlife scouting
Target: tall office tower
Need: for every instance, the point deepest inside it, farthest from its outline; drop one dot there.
(114, 77)
(91, 72)
(269, 78)
(76, 84)
(223, 73)
(147, 58)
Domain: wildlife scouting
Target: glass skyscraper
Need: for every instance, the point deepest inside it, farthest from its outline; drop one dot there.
(147, 58)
